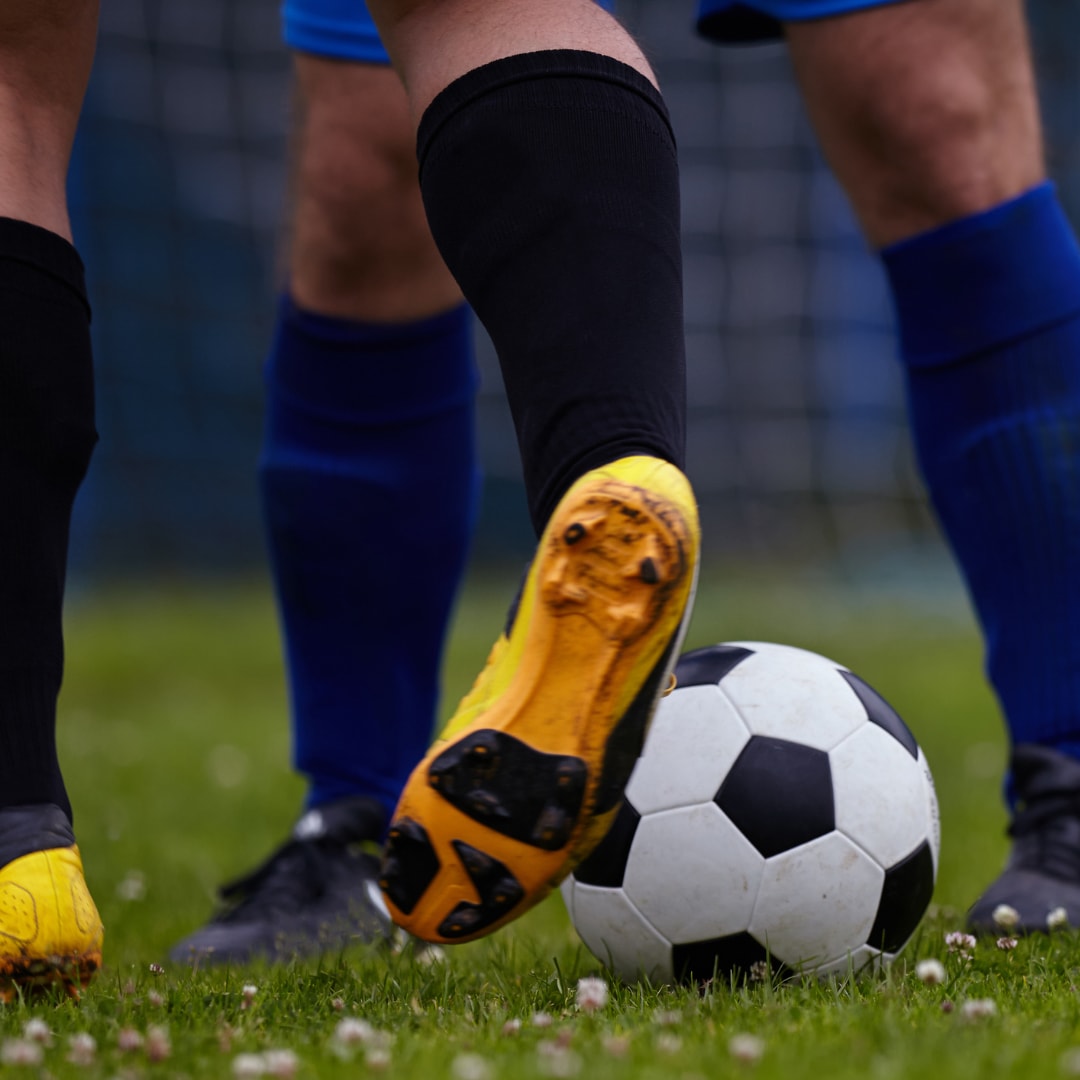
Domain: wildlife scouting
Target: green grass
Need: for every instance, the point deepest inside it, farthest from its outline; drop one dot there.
(175, 745)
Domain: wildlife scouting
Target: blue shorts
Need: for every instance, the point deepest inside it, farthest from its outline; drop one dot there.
(340, 29)
(344, 30)
(758, 20)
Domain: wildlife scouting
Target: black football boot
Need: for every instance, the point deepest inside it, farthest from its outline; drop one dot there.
(1041, 881)
(316, 893)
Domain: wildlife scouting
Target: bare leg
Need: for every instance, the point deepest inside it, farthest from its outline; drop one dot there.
(361, 247)
(46, 51)
(434, 42)
(926, 111)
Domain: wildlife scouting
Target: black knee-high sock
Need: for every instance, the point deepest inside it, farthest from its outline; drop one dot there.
(551, 185)
(46, 437)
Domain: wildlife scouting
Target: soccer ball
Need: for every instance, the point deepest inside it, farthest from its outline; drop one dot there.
(781, 819)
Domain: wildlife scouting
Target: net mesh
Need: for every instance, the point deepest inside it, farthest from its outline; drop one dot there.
(798, 443)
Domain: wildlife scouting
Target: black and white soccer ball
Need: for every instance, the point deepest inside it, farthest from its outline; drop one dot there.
(781, 819)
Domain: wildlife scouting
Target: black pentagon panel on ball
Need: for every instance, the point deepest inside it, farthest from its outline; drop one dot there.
(779, 794)
(730, 959)
(882, 713)
(707, 666)
(606, 866)
(905, 896)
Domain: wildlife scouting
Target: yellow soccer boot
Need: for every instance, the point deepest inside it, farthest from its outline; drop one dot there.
(526, 777)
(50, 930)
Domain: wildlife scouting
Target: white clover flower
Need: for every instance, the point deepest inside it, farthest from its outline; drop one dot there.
(556, 1060)
(931, 972)
(512, 1026)
(471, 1067)
(81, 1048)
(352, 1031)
(21, 1052)
(541, 1020)
(430, 954)
(617, 1046)
(132, 886)
(977, 1008)
(958, 941)
(377, 1058)
(666, 1017)
(227, 765)
(1006, 943)
(667, 1043)
(36, 1030)
(248, 1066)
(128, 1039)
(760, 971)
(1005, 917)
(282, 1064)
(1057, 919)
(155, 998)
(158, 1045)
(746, 1048)
(592, 994)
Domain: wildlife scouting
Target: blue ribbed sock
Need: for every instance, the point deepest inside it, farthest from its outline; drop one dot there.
(989, 310)
(369, 485)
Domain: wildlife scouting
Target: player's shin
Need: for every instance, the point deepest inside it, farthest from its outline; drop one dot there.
(990, 325)
(53, 932)
(46, 437)
(551, 184)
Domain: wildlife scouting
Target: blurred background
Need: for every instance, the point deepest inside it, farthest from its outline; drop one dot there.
(798, 444)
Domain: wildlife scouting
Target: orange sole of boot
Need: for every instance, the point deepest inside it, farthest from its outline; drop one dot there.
(502, 808)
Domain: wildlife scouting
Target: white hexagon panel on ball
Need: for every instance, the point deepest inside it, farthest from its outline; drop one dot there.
(695, 736)
(790, 693)
(692, 874)
(817, 903)
(616, 933)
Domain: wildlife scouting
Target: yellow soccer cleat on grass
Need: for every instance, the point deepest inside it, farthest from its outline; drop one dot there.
(528, 774)
(50, 930)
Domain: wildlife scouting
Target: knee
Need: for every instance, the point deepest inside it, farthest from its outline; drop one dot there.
(360, 244)
(357, 202)
(947, 148)
(923, 121)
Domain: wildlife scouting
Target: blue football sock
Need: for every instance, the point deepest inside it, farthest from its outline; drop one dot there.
(369, 486)
(989, 311)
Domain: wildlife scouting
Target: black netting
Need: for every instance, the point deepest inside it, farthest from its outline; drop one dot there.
(798, 440)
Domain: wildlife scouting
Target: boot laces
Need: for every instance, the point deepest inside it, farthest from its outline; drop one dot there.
(296, 874)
